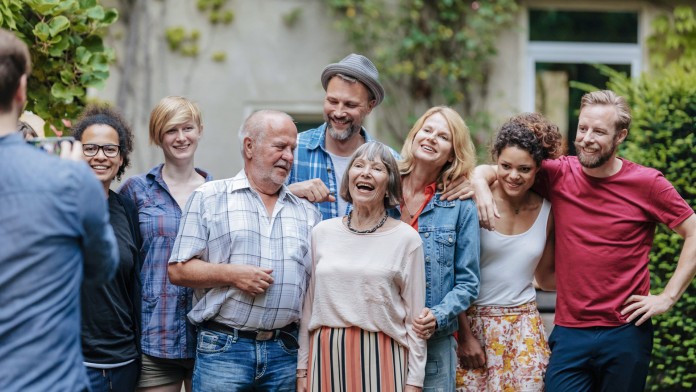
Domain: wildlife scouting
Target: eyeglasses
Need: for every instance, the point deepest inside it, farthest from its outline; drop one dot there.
(110, 150)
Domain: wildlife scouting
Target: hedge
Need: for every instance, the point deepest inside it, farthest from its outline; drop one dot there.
(662, 136)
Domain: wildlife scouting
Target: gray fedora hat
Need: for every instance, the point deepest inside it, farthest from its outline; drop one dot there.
(358, 67)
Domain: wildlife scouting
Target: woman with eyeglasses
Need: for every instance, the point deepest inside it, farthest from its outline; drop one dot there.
(168, 339)
(111, 313)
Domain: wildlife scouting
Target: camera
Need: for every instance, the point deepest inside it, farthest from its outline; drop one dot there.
(50, 144)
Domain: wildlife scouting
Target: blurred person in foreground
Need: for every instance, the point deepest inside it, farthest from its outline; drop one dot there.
(111, 312)
(168, 339)
(366, 291)
(54, 234)
(502, 339)
(437, 149)
(605, 211)
(244, 246)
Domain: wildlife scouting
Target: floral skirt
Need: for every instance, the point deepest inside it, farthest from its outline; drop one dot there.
(516, 350)
(355, 360)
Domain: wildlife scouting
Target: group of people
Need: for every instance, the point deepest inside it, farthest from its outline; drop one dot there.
(330, 262)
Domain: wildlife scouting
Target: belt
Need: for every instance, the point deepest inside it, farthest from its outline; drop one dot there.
(253, 335)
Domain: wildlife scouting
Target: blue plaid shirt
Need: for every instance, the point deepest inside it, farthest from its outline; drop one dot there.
(313, 161)
(166, 333)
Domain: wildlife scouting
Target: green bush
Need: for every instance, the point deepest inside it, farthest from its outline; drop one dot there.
(662, 136)
(67, 52)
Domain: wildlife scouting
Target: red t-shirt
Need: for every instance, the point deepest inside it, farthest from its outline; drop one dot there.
(604, 232)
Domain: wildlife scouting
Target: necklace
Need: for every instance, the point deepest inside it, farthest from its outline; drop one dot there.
(372, 230)
(407, 210)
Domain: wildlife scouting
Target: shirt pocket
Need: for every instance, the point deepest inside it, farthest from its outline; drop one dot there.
(158, 220)
(445, 241)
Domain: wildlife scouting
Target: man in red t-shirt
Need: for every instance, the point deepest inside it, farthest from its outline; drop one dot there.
(606, 209)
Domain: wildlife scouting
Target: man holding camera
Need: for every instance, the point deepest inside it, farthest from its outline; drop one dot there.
(54, 229)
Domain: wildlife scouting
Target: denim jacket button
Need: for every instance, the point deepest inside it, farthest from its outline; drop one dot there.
(427, 259)
(427, 235)
(450, 240)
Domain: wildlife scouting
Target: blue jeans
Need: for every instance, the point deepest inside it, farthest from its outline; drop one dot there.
(119, 379)
(593, 359)
(441, 365)
(230, 363)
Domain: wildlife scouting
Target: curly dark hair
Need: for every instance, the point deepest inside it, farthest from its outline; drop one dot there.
(531, 132)
(103, 114)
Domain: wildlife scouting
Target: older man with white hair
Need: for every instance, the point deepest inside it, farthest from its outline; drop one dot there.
(244, 245)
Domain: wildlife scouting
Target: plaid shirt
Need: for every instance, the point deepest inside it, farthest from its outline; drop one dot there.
(226, 222)
(313, 161)
(165, 330)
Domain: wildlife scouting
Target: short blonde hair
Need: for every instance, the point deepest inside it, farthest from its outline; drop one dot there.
(171, 111)
(463, 148)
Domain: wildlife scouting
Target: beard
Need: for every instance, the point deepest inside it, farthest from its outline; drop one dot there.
(344, 135)
(595, 161)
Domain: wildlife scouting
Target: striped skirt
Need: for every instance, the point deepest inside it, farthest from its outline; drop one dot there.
(516, 350)
(354, 360)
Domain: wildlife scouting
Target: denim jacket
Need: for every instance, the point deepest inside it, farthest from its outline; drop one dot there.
(450, 234)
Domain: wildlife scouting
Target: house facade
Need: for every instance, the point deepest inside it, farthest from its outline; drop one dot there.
(274, 52)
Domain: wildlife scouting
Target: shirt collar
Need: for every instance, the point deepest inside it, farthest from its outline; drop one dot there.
(240, 181)
(155, 174)
(12, 138)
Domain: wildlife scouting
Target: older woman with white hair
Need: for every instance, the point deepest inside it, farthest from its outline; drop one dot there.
(367, 289)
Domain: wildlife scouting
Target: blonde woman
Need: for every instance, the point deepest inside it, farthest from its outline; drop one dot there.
(168, 339)
(437, 150)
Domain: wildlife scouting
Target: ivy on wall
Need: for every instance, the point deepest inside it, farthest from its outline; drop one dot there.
(186, 42)
(436, 52)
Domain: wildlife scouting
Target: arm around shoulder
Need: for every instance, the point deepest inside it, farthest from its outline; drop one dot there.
(482, 179)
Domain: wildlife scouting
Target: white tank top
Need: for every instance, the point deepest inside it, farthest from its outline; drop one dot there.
(508, 263)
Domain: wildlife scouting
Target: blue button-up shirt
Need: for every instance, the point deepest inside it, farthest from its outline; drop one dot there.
(54, 229)
(451, 244)
(313, 161)
(166, 333)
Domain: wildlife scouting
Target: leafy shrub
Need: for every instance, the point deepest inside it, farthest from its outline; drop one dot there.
(662, 136)
(67, 52)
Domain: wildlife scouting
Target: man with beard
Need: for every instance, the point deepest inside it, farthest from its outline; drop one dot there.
(606, 209)
(352, 91)
(244, 246)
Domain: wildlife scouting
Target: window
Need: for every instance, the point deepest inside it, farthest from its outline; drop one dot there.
(563, 46)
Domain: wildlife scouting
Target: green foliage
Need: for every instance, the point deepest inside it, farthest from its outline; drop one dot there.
(292, 17)
(216, 11)
(186, 43)
(436, 49)
(674, 39)
(219, 57)
(68, 54)
(662, 136)
(182, 42)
